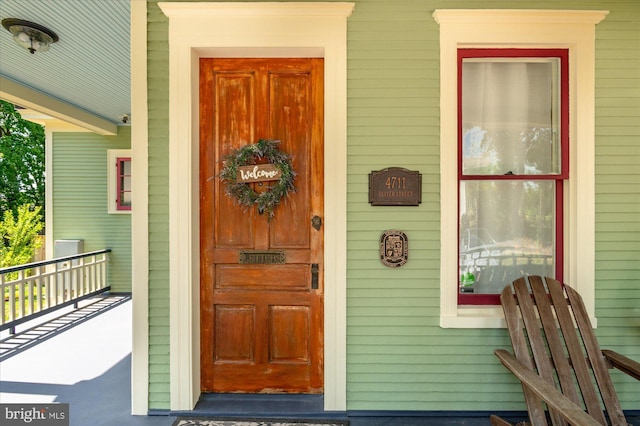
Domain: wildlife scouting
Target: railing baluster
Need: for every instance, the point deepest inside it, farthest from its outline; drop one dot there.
(86, 286)
(29, 286)
(103, 269)
(20, 288)
(12, 302)
(51, 284)
(78, 284)
(90, 272)
(3, 293)
(37, 304)
(93, 273)
(53, 291)
(73, 280)
(87, 273)
(65, 282)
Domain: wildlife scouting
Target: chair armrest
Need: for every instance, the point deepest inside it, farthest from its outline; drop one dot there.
(622, 363)
(570, 411)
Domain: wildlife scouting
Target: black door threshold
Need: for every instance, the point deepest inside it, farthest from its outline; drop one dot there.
(235, 405)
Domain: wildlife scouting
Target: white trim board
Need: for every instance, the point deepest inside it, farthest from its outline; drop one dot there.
(139, 211)
(198, 30)
(27, 97)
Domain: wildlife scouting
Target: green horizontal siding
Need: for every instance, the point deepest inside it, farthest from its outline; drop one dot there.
(79, 177)
(618, 187)
(393, 47)
(398, 358)
(158, 98)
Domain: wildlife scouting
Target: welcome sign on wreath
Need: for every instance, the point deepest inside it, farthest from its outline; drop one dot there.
(258, 173)
(240, 169)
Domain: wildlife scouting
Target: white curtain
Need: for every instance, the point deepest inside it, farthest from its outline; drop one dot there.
(510, 117)
(510, 111)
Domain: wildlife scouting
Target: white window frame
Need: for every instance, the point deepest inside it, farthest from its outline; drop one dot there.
(565, 29)
(112, 176)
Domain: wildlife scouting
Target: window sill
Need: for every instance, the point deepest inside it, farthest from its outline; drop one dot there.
(474, 317)
(482, 317)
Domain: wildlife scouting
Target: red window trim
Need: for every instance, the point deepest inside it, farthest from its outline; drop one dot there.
(563, 55)
(119, 189)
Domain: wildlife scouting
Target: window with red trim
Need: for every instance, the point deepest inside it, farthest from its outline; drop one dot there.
(513, 159)
(123, 177)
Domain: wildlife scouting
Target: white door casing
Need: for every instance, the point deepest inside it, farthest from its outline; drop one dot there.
(198, 30)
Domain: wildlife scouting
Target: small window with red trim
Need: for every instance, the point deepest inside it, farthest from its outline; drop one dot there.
(123, 186)
(513, 161)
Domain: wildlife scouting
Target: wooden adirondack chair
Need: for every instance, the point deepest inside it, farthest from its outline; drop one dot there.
(558, 360)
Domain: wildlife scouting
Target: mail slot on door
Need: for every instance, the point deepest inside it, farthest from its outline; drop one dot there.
(262, 257)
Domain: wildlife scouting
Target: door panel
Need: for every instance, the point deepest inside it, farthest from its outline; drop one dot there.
(235, 123)
(289, 334)
(261, 324)
(234, 326)
(252, 277)
(286, 93)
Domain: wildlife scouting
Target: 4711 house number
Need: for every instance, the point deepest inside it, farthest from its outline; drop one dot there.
(395, 182)
(395, 186)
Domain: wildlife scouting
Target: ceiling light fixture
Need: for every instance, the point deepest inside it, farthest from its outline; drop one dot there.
(31, 36)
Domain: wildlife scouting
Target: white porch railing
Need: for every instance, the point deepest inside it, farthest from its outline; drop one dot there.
(38, 288)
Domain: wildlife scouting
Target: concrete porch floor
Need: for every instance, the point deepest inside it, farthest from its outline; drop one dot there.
(83, 358)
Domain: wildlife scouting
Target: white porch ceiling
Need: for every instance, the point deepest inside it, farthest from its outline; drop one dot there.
(88, 69)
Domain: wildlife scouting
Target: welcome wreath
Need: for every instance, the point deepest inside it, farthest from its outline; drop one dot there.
(243, 193)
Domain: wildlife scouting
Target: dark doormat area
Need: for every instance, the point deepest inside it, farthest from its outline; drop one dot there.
(259, 406)
(207, 421)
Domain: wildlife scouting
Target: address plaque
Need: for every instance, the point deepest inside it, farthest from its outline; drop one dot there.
(395, 186)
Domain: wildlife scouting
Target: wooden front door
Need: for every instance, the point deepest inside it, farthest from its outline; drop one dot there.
(261, 323)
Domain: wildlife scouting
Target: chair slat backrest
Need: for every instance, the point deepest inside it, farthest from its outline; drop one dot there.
(542, 325)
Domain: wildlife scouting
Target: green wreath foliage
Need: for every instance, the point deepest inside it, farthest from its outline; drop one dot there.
(243, 193)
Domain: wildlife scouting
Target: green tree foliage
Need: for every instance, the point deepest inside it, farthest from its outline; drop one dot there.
(19, 236)
(22, 169)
